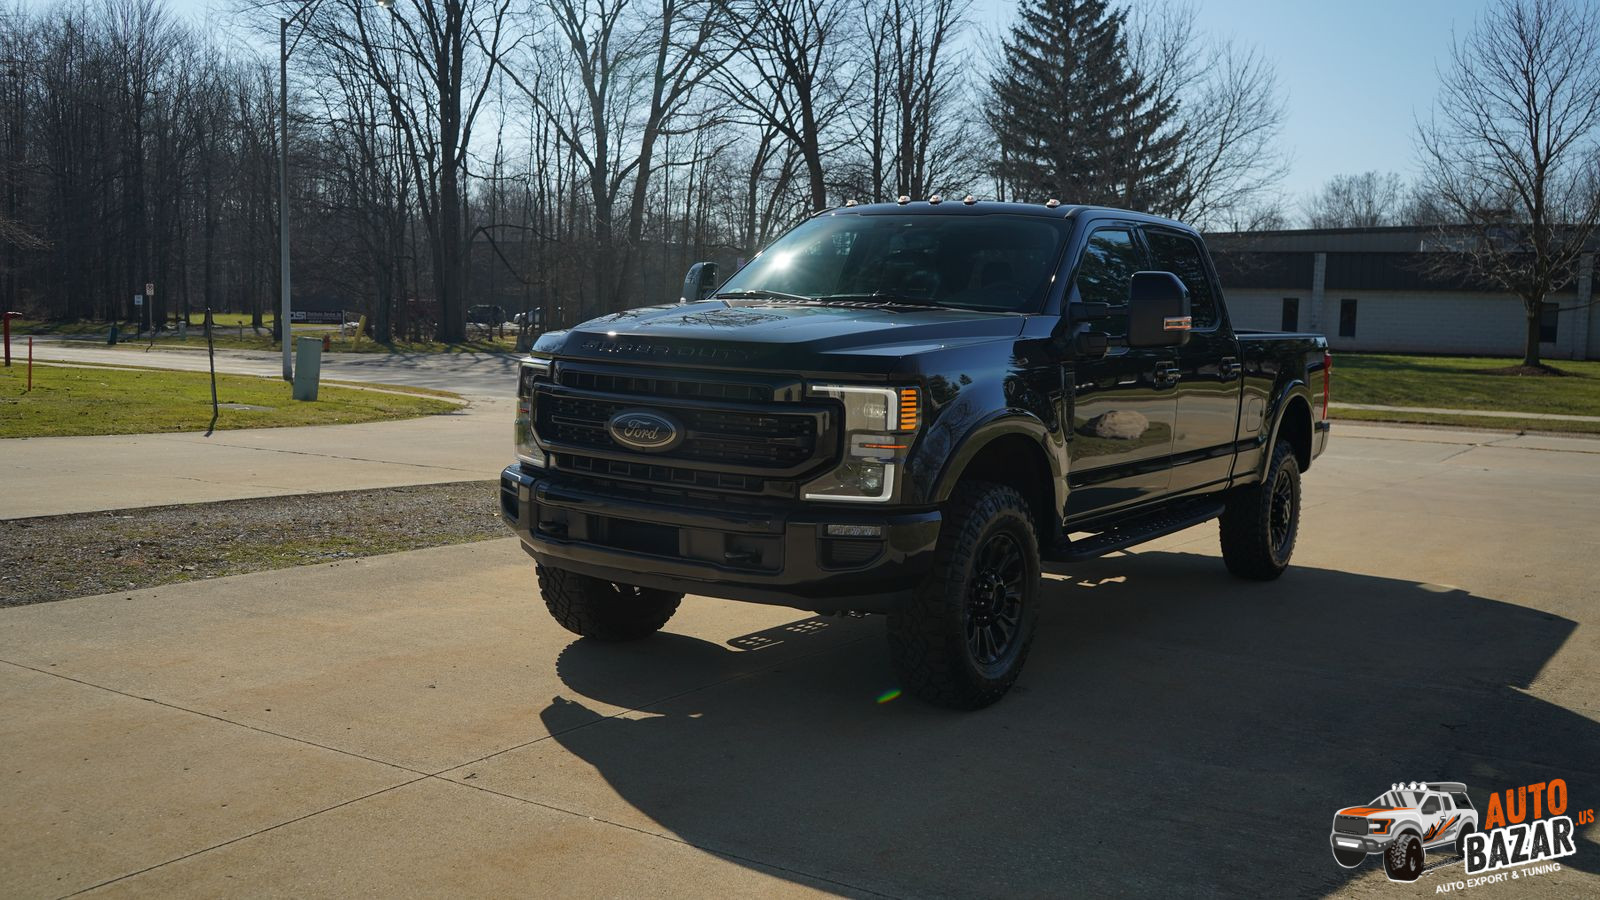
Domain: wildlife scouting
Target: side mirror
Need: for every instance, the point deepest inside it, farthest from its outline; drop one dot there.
(1158, 310)
(699, 282)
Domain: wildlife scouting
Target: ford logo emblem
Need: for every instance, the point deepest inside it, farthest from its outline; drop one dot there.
(643, 429)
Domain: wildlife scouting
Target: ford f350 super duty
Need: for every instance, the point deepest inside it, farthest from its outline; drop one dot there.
(907, 409)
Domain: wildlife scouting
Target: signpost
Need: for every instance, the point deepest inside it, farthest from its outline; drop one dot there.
(149, 308)
(138, 305)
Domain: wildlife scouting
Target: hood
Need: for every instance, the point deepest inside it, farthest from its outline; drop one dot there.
(777, 335)
(1372, 810)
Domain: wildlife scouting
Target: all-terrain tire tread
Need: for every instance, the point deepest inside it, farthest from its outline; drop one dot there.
(589, 607)
(920, 635)
(1246, 537)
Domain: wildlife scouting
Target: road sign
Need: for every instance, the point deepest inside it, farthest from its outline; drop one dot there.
(138, 300)
(149, 289)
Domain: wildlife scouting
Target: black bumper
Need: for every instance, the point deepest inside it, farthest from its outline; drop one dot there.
(781, 557)
(1359, 843)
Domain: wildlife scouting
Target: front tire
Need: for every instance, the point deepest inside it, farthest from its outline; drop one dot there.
(604, 610)
(1260, 522)
(962, 640)
(1403, 860)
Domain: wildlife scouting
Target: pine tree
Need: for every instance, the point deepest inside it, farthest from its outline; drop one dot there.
(1072, 118)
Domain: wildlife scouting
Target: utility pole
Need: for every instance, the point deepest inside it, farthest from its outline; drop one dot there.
(283, 195)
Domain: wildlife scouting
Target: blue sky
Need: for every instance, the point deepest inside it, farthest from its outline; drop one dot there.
(1357, 72)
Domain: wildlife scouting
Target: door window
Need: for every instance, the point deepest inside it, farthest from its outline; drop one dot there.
(1105, 273)
(1431, 806)
(1180, 255)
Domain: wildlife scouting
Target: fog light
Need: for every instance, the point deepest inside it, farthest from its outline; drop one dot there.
(855, 531)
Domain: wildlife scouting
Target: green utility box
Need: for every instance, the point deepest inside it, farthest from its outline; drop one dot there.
(307, 367)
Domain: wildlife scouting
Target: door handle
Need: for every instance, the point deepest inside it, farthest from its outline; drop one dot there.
(1229, 368)
(1167, 374)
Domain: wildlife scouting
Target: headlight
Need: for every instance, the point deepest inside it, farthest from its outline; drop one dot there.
(879, 425)
(1378, 826)
(532, 371)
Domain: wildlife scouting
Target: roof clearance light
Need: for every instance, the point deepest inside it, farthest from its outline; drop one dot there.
(1052, 203)
(849, 203)
(969, 199)
(935, 200)
(902, 200)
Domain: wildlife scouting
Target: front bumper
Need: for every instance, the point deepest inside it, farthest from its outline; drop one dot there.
(782, 557)
(1364, 843)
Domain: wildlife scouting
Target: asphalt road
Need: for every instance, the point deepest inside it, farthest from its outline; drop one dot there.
(416, 725)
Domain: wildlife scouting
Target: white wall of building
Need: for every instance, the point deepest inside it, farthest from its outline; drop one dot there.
(1422, 321)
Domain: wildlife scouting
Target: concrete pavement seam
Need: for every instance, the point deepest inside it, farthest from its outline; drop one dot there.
(223, 719)
(243, 837)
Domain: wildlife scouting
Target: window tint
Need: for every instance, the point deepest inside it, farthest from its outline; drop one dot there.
(1347, 318)
(1549, 318)
(1461, 801)
(1291, 314)
(993, 262)
(1180, 255)
(1109, 260)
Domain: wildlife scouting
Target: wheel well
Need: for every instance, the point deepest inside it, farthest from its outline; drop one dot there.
(1017, 461)
(1295, 427)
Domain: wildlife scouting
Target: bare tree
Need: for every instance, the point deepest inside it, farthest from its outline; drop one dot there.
(795, 77)
(1230, 111)
(1367, 200)
(434, 63)
(1512, 152)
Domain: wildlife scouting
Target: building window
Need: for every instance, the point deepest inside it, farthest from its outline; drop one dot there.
(1549, 318)
(1291, 314)
(1347, 318)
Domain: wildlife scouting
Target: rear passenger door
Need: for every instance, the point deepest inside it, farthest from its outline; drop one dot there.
(1123, 406)
(1209, 385)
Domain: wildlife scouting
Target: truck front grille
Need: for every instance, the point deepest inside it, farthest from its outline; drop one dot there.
(1350, 824)
(714, 436)
(744, 436)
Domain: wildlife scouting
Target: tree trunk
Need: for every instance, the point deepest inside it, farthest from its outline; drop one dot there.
(1530, 353)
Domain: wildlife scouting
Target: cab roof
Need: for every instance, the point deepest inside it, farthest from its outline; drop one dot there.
(955, 206)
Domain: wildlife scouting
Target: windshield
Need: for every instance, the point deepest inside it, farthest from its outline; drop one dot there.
(1397, 799)
(990, 262)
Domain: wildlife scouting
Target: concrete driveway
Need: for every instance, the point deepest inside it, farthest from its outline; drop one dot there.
(415, 725)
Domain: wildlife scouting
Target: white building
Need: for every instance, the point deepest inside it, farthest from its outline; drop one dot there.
(1373, 289)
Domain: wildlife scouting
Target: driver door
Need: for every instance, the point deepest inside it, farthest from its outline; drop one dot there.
(1123, 407)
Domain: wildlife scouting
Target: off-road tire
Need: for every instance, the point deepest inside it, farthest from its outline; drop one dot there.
(1250, 546)
(1461, 838)
(1403, 860)
(604, 610)
(932, 635)
(1349, 859)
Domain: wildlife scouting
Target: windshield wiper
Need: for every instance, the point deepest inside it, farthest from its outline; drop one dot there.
(758, 294)
(886, 297)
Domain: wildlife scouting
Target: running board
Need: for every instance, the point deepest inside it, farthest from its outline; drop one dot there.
(1135, 531)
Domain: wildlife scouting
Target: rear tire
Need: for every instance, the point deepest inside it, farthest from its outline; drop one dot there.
(1461, 839)
(604, 610)
(962, 640)
(1260, 522)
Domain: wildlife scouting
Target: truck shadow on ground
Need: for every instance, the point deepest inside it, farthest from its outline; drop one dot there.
(1176, 732)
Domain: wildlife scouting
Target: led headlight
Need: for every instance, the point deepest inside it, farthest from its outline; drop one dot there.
(879, 424)
(532, 371)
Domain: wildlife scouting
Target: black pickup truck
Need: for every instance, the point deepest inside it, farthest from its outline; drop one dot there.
(907, 409)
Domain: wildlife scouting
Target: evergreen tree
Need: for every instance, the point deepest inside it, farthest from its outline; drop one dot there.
(1072, 118)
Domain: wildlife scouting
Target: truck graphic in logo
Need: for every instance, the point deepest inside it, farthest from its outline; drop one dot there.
(1404, 824)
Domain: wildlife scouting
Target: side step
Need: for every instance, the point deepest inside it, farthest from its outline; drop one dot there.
(1134, 531)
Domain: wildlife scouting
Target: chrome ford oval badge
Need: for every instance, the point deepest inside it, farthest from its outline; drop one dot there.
(646, 430)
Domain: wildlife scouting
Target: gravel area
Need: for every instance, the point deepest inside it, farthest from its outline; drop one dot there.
(56, 557)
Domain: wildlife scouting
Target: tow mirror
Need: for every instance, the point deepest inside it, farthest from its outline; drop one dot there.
(699, 282)
(1158, 310)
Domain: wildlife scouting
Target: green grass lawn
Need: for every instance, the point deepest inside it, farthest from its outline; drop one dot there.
(1462, 382)
(82, 401)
